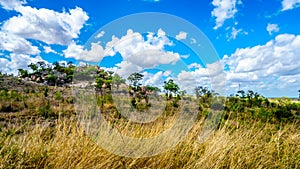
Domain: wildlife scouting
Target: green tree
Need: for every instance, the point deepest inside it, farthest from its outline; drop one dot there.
(182, 93)
(42, 65)
(203, 93)
(23, 73)
(171, 88)
(103, 80)
(118, 80)
(51, 80)
(134, 80)
(34, 67)
(241, 94)
(152, 88)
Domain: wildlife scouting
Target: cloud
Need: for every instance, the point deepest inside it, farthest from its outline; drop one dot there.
(224, 9)
(14, 62)
(212, 76)
(194, 65)
(151, 0)
(265, 65)
(273, 66)
(181, 36)
(193, 41)
(235, 32)
(155, 79)
(16, 44)
(289, 4)
(94, 54)
(124, 69)
(12, 4)
(46, 25)
(144, 53)
(132, 47)
(99, 35)
(48, 49)
(272, 28)
(189, 80)
(152, 58)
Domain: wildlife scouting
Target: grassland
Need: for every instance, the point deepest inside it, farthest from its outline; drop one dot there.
(39, 129)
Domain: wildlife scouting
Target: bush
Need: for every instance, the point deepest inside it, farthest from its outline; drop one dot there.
(283, 112)
(46, 112)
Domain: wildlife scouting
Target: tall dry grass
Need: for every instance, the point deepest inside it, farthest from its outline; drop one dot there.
(66, 145)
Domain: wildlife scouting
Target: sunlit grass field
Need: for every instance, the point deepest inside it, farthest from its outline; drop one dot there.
(39, 128)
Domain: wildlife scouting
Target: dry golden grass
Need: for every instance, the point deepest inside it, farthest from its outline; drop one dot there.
(65, 145)
(240, 142)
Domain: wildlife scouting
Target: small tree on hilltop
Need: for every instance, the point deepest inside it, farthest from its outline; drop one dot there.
(134, 79)
(171, 88)
(117, 80)
(103, 80)
(23, 73)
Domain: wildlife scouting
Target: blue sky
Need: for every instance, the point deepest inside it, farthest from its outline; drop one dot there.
(257, 41)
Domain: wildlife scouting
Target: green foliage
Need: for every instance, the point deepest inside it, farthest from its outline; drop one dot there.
(134, 79)
(46, 112)
(118, 80)
(51, 79)
(252, 105)
(171, 88)
(103, 80)
(33, 66)
(58, 95)
(55, 74)
(23, 73)
(152, 88)
(46, 92)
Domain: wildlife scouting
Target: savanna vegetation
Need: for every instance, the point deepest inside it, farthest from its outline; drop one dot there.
(39, 125)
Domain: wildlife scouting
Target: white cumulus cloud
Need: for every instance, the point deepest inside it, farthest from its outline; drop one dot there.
(194, 65)
(289, 4)
(265, 65)
(16, 44)
(272, 28)
(11, 4)
(181, 36)
(133, 48)
(46, 25)
(235, 32)
(48, 49)
(224, 9)
(14, 62)
(100, 34)
(145, 53)
(94, 54)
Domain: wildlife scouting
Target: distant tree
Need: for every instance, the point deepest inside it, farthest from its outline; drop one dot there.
(51, 80)
(23, 73)
(117, 80)
(182, 93)
(33, 66)
(42, 65)
(69, 73)
(241, 94)
(134, 80)
(70, 64)
(152, 88)
(59, 67)
(103, 80)
(171, 88)
(203, 93)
